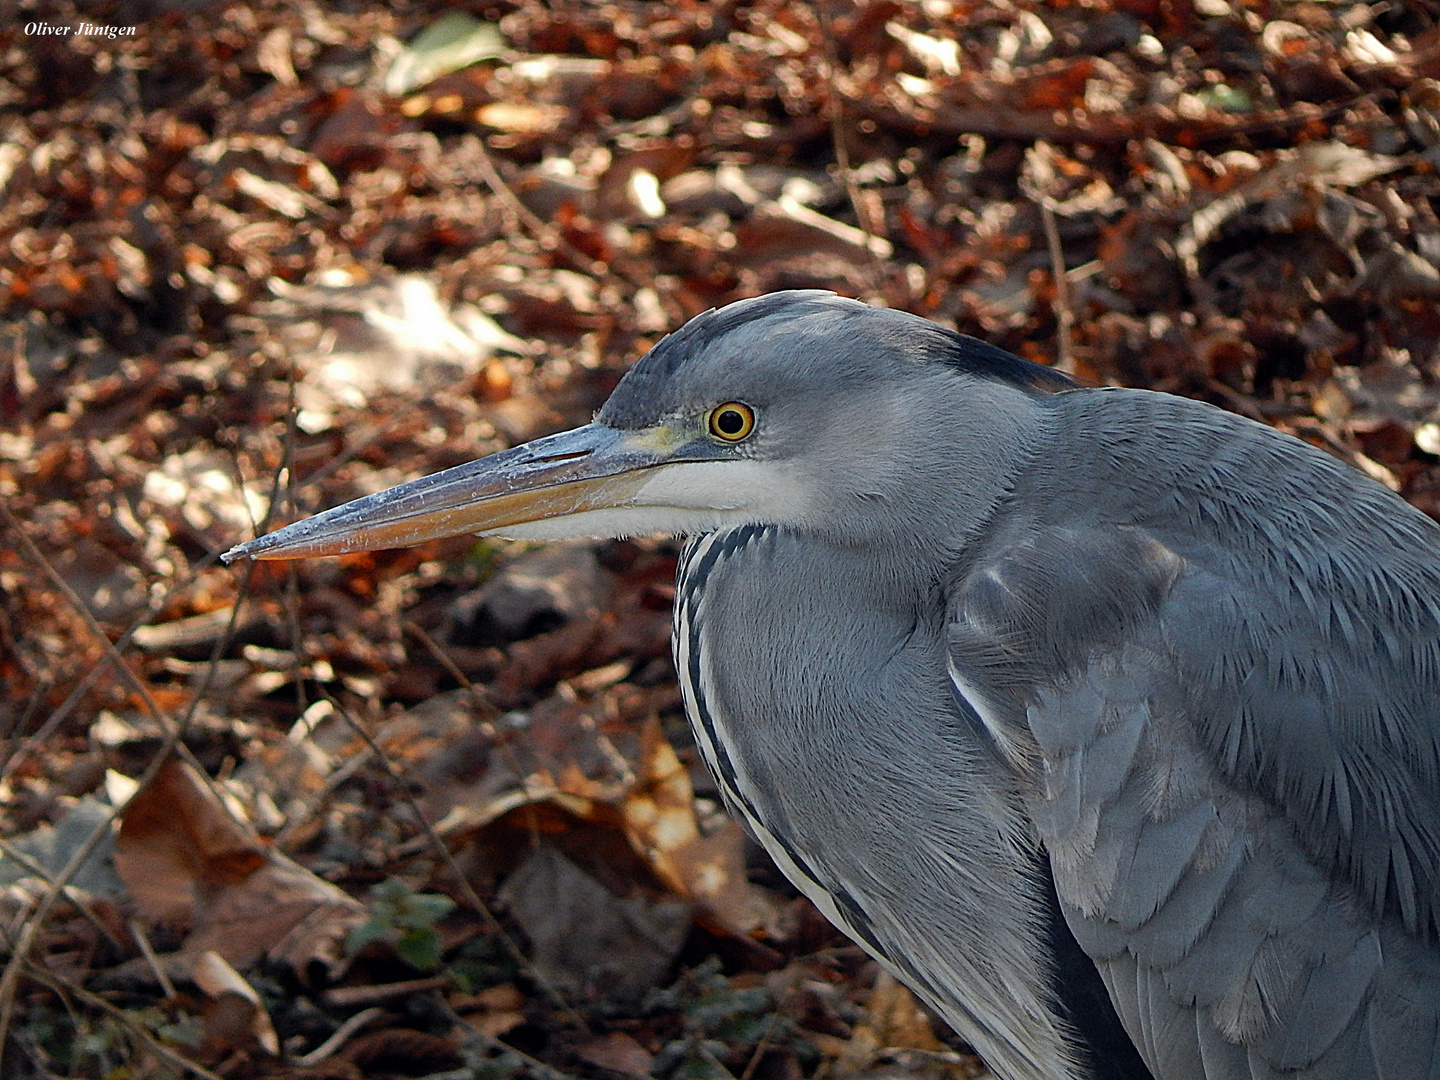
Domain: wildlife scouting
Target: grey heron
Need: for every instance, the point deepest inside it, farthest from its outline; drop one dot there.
(1107, 720)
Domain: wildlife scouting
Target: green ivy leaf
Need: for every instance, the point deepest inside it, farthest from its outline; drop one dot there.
(420, 948)
(404, 919)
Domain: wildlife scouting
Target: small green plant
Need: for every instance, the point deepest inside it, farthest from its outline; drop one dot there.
(406, 919)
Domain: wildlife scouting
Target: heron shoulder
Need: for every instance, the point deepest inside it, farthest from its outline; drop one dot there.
(1223, 647)
(1295, 605)
(1211, 482)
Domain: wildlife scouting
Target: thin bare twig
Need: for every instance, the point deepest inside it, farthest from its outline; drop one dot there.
(444, 660)
(487, 725)
(1064, 313)
(347, 769)
(348, 997)
(837, 123)
(543, 231)
(771, 1023)
(142, 939)
(170, 744)
(32, 742)
(20, 956)
(536, 1065)
(74, 895)
(369, 434)
(341, 1035)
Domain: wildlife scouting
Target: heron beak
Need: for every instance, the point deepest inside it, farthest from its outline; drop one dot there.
(590, 468)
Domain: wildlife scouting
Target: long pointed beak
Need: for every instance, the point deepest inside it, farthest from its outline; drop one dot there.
(590, 468)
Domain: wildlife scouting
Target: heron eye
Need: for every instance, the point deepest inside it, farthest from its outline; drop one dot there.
(732, 421)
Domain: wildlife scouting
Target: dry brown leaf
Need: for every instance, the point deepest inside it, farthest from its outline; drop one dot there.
(897, 1017)
(659, 810)
(235, 1018)
(659, 814)
(185, 859)
(617, 1052)
(714, 869)
(584, 937)
(495, 1024)
(177, 844)
(493, 1011)
(519, 117)
(893, 1022)
(403, 1052)
(282, 911)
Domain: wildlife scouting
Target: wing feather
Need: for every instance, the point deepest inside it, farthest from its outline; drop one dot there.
(1230, 944)
(1329, 1001)
(1169, 1030)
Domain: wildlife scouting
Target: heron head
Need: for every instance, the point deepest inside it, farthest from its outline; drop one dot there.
(802, 409)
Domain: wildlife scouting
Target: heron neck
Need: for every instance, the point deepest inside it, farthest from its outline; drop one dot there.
(822, 677)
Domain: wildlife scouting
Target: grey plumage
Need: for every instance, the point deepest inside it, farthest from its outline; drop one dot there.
(1285, 650)
(953, 632)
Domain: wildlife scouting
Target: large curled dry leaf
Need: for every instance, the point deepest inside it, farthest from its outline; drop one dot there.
(188, 861)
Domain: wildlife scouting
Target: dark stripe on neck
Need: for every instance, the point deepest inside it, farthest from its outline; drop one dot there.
(690, 580)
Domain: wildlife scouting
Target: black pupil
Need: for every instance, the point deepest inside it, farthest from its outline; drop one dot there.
(730, 422)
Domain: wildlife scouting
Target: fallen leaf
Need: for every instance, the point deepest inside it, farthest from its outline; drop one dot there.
(454, 41)
(177, 843)
(584, 937)
(659, 810)
(617, 1052)
(493, 1011)
(659, 813)
(897, 1017)
(235, 1018)
(187, 860)
(520, 117)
